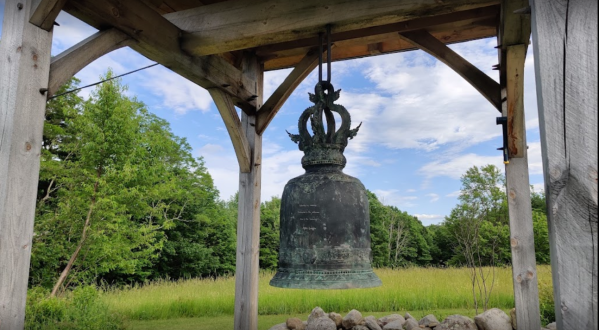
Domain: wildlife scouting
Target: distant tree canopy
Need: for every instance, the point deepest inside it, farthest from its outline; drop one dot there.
(121, 199)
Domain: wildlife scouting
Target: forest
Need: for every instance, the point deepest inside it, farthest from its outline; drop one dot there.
(121, 200)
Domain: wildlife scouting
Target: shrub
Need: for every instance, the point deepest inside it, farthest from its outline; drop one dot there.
(79, 309)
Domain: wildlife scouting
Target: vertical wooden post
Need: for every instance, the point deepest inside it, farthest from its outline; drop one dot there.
(524, 268)
(24, 70)
(248, 221)
(565, 48)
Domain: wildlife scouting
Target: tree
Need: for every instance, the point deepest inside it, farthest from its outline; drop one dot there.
(476, 223)
(270, 233)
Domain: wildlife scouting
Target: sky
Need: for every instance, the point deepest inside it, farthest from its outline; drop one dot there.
(422, 127)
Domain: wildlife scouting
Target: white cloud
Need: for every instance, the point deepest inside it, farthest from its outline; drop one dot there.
(456, 193)
(538, 187)
(434, 197)
(392, 197)
(455, 167)
(429, 219)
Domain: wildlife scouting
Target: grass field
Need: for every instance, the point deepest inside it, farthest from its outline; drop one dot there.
(420, 290)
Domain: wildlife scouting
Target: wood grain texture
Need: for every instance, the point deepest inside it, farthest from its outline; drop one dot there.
(248, 221)
(46, 12)
(488, 87)
(514, 84)
(274, 103)
(66, 64)
(524, 269)
(24, 69)
(158, 40)
(224, 104)
(565, 48)
(240, 24)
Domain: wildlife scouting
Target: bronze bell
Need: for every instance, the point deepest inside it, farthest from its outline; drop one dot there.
(325, 220)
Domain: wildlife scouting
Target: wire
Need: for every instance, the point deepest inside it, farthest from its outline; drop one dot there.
(99, 82)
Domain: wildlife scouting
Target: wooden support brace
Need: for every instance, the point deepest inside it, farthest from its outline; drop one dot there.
(46, 12)
(24, 69)
(248, 223)
(488, 87)
(66, 64)
(515, 57)
(225, 106)
(158, 40)
(566, 56)
(282, 93)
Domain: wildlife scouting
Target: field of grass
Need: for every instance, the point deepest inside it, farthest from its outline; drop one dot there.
(413, 289)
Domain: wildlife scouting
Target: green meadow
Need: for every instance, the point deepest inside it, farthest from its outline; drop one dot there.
(185, 303)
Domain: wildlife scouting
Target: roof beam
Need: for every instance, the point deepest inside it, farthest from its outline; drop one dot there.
(158, 40)
(488, 87)
(239, 24)
(274, 103)
(66, 64)
(45, 13)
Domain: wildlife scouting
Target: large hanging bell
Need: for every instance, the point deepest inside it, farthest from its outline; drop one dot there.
(325, 221)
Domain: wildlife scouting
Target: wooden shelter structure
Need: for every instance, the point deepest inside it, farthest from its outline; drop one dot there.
(226, 45)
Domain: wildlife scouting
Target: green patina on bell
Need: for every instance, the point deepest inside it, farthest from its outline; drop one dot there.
(325, 221)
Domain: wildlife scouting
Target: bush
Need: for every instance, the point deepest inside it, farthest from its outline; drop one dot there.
(79, 309)
(546, 304)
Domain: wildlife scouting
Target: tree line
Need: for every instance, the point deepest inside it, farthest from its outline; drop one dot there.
(122, 200)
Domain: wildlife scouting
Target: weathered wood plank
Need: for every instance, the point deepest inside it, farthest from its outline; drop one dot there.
(225, 106)
(239, 24)
(248, 223)
(158, 40)
(24, 69)
(524, 266)
(46, 12)
(66, 64)
(488, 87)
(274, 103)
(565, 48)
(514, 81)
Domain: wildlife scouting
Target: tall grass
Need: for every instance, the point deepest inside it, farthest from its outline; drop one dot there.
(403, 289)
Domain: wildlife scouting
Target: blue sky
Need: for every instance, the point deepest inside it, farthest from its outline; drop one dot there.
(423, 126)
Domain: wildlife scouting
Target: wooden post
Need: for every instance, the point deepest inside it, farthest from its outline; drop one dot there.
(524, 268)
(248, 221)
(24, 70)
(565, 48)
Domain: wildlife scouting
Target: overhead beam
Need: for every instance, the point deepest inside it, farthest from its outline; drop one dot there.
(46, 12)
(158, 40)
(239, 24)
(419, 23)
(225, 106)
(488, 87)
(274, 103)
(66, 64)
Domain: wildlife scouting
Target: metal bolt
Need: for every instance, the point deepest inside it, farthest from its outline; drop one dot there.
(19, 6)
(43, 91)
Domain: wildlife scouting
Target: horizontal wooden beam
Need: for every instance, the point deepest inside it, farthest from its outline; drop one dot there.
(46, 12)
(225, 106)
(274, 103)
(409, 25)
(158, 40)
(488, 87)
(66, 64)
(239, 24)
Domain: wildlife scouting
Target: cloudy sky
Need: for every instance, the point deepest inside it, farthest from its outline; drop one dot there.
(423, 126)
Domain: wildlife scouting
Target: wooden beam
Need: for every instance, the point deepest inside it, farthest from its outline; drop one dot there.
(514, 81)
(66, 64)
(488, 87)
(239, 24)
(403, 26)
(513, 29)
(566, 54)
(524, 266)
(274, 103)
(225, 106)
(248, 223)
(24, 69)
(158, 40)
(46, 12)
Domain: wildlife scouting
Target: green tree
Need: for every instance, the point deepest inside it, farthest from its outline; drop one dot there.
(270, 233)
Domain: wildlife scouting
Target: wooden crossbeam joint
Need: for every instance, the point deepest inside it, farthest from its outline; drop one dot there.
(46, 12)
